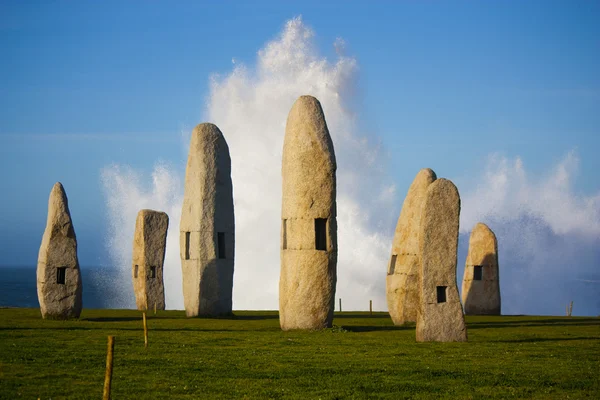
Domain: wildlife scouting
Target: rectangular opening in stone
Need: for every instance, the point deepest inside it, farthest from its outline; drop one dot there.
(221, 244)
(321, 233)
(61, 275)
(392, 265)
(187, 245)
(135, 271)
(284, 238)
(153, 272)
(441, 294)
(477, 272)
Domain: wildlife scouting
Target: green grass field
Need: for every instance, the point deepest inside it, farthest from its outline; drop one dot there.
(248, 356)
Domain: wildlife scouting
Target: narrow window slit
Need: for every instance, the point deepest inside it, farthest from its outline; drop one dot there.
(392, 264)
(152, 272)
(135, 271)
(321, 233)
(477, 272)
(284, 239)
(61, 275)
(441, 294)
(187, 245)
(221, 244)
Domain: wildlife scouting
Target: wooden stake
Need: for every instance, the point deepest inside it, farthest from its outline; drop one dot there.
(154, 308)
(109, 368)
(145, 331)
(371, 307)
(340, 304)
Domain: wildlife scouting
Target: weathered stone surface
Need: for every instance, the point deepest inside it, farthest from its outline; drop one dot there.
(309, 226)
(207, 227)
(59, 283)
(481, 290)
(403, 269)
(149, 241)
(440, 317)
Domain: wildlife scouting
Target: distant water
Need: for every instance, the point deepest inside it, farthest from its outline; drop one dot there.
(18, 287)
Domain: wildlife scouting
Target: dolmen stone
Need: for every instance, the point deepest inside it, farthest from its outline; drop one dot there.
(207, 227)
(402, 281)
(481, 283)
(308, 226)
(59, 283)
(149, 241)
(440, 316)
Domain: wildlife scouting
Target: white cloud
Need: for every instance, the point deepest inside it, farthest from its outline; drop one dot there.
(506, 193)
(548, 235)
(250, 106)
(125, 196)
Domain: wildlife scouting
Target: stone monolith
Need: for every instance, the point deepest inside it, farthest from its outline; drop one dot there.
(149, 241)
(440, 316)
(403, 269)
(308, 220)
(207, 227)
(481, 284)
(59, 284)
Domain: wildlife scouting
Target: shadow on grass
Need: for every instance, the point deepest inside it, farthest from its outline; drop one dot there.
(533, 340)
(365, 328)
(361, 315)
(534, 322)
(113, 319)
(253, 317)
(155, 329)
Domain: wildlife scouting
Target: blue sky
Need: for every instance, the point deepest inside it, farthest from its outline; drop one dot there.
(444, 85)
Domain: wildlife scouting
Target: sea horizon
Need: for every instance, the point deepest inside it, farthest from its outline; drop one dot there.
(18, 286)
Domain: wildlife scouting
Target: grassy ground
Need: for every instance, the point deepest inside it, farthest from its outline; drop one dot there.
(248, 356)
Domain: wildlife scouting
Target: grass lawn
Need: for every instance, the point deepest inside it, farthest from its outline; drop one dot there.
(248, 356)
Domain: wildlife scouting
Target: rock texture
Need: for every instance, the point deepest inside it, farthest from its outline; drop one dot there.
(207, 227)
(481, 284)
(59, 284)
(440, 317)
(403, 269)
(309, 226)
(149, 241)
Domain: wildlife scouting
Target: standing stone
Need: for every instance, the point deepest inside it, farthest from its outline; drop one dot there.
(440, 317)
(481, 284)
(403, 270)
(207, 227)
(149, 243)
(58, 278)
(309, 226)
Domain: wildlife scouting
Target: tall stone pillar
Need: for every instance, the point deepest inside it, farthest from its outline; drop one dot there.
(59, 283)
(440, 317)
(308, 220)
(149, 241)
(481, 283)
(402, 281)
(207, 227)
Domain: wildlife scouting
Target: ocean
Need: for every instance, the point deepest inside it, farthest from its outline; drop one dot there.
(18, 287)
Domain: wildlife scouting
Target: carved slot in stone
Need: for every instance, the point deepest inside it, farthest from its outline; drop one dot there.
(221, 244)
(61, 275)
(284, 239)
(135, 271)
(320, 233)
(477, 272)
(187, 245)
(441, 294)
(152, 272)
(392, 264)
